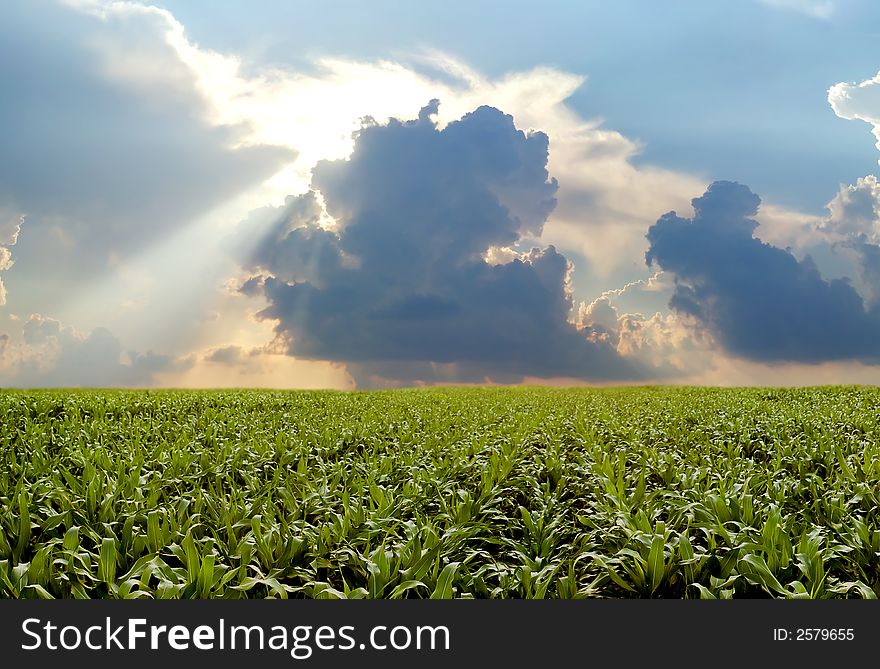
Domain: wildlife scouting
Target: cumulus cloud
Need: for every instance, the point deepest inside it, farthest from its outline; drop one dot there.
(854, 220)
(853, 226)
(49, 354)
(147, 130)
(290, 242)
(600, 316)
(858, 101)
(674, 345)
(670, 340)
(756, 300)
(399, 287)
(317, 109)
(854, 213)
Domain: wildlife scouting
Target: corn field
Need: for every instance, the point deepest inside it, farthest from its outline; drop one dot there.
(441, 493)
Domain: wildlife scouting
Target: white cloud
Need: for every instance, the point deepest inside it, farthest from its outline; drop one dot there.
(854, 213)
(786, 228)
(671, 343)
(858, 101)
(10, 227)
(819, 9)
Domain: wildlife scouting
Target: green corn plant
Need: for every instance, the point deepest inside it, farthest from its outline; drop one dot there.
(445, 492)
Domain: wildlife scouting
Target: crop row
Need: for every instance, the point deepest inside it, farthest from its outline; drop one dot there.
(484, 493)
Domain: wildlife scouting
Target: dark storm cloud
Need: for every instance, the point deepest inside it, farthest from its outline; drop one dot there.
(290, 244)
(96, 164)
(757, 300)
(400, 289)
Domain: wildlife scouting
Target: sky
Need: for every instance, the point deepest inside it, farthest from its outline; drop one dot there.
(371, 195)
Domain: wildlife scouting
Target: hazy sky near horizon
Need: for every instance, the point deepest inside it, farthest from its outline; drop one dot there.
(285, 194)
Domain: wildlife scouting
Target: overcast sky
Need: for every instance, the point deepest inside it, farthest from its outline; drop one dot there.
(349, 194)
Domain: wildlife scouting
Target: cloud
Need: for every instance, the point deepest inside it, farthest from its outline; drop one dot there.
(316, 110)
(853, 226)
(289, 242)
(49, 354)
(235, 366)
(101, 164)
(601, 316)
(10, 227)
(854, 213)
(164, 129)
(228, 355)
(660, 340)
(819, 9)
(401, 282)
(858, 101)
(673, 345)
(756, 300)
(148, 130)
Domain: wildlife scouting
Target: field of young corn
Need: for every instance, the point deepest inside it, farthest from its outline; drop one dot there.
(465, 493)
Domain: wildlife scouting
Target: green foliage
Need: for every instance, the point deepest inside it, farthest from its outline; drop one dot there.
(441, 493)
